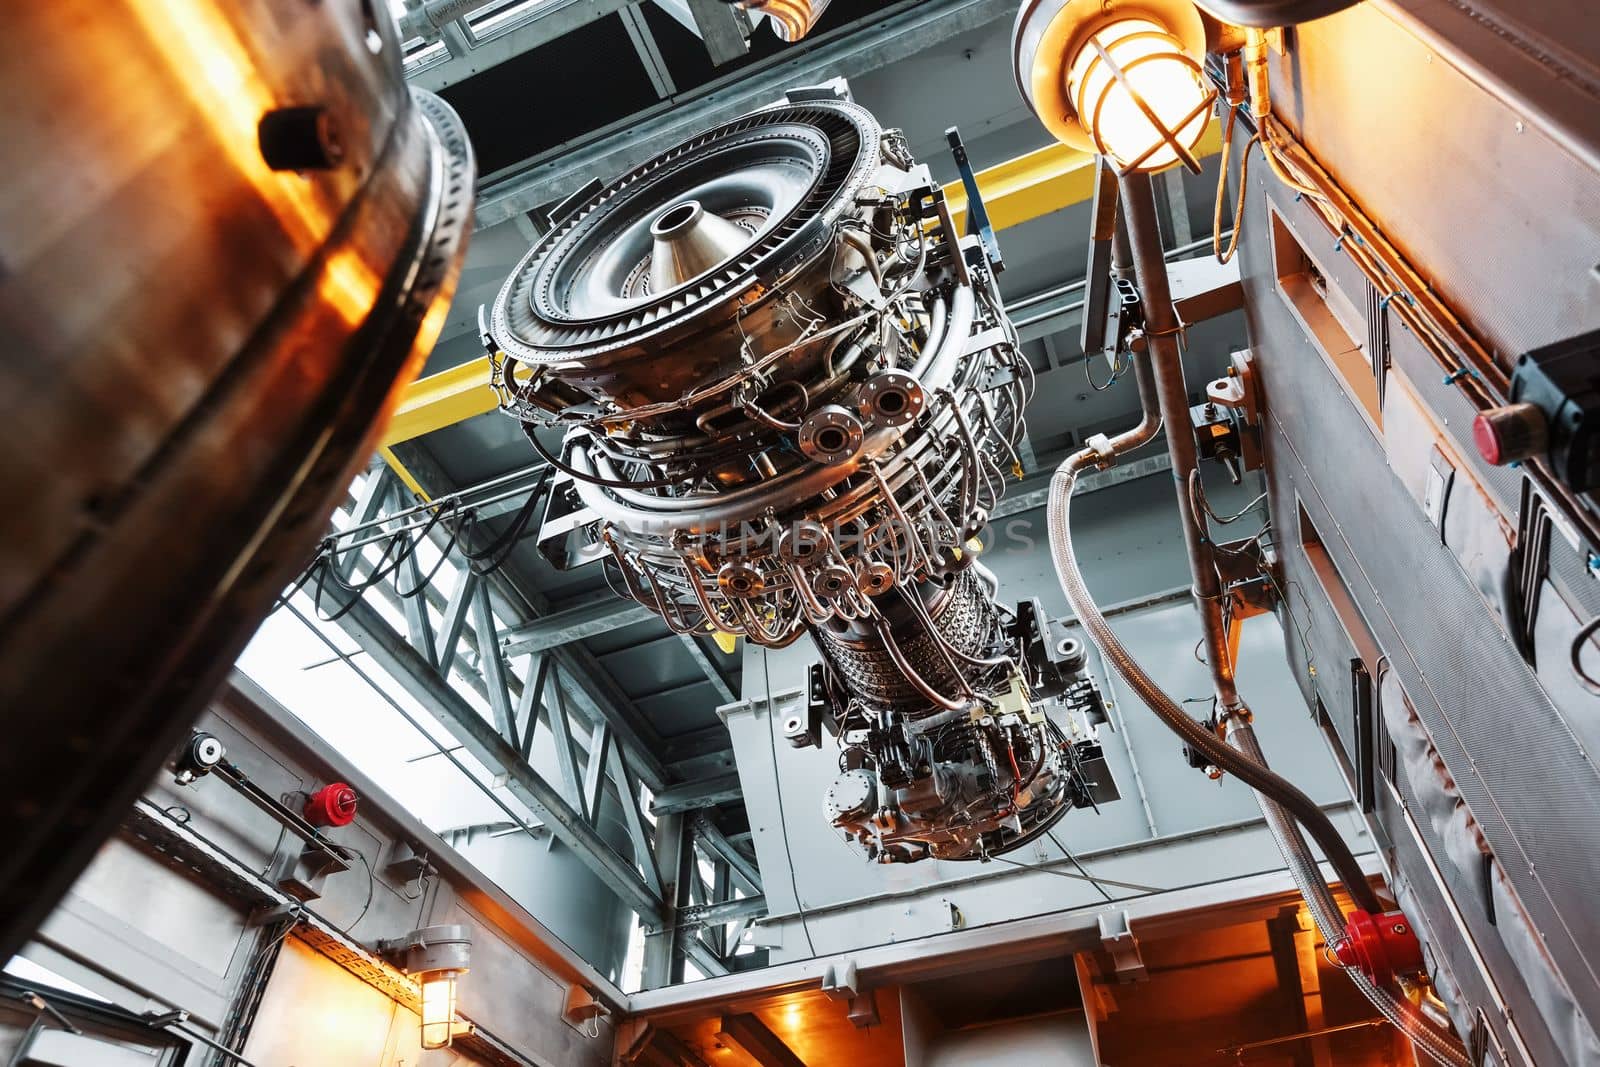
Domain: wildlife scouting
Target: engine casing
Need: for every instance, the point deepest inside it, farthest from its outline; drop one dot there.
(791, 397)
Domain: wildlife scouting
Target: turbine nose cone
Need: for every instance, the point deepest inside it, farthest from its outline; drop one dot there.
(687, 241)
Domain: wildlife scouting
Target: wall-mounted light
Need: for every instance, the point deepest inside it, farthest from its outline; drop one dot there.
(436, 956)
(1122, 79)
(438, 1008)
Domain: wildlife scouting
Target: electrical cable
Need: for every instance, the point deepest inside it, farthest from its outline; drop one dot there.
(480, 562)
(777, 789)
(1117, 367)
(498, 550)
(1575, 658)
(1051, 834)
(607, 483)
(1266, 132)
(372, 884)
(383, 567)
(1200, 505)
(323, 566)
(1224, 256)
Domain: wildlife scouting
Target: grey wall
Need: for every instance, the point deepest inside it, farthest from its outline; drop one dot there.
(1062, 1040)
(149, 927)
(824, 895)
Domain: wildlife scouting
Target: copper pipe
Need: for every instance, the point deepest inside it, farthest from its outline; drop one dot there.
(1166, 358)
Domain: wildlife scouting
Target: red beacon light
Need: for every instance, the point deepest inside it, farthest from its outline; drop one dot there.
(1381, 946)
(332, 805)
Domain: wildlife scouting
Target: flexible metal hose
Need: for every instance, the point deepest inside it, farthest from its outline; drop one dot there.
(1438, 1047)
(1307, 875)
(1301, 807)
(1297, 856)
(1284, 807)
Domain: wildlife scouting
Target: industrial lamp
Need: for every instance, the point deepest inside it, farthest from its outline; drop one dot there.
(1122, 79)
(435, 956)
(791, 19)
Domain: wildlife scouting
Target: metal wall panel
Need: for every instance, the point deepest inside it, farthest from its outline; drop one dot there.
(1504, 220)
(154, 923)
(171, 938)
(317, 1014)
(1505, 224)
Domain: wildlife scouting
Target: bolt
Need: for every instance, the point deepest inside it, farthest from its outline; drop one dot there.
(299, 138)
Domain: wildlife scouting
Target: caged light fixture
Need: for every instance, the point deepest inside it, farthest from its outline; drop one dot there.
(1123, 80)
(436, 956)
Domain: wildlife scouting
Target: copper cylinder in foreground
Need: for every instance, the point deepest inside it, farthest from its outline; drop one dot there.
(223, 228)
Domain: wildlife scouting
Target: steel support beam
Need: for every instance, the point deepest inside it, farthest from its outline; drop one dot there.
(441, 399)
(542, 26)
(724, 28)
(566, 762)
(600, 701)
(1175, 200)
(455, 617)
(368, 506)
(574, 624)
(750, 1035)
(667, 1050)
(910, 27)
(594, 696)
(390, 651)
(1250, 898)
(661, 943)
(692, 796)
(529, 707)
(492, 664)
(644, 45)
(709, 668)
(419, 627)
(630, 796)
(716, 842)
(703, 956)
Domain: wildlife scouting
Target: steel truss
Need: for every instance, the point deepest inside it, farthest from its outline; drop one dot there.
(471, 638)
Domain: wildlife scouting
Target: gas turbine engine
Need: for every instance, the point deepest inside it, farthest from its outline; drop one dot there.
(791, 397)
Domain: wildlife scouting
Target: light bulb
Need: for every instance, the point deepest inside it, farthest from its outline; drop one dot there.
(438, 1008)
(1137, 61)
(791, 19)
